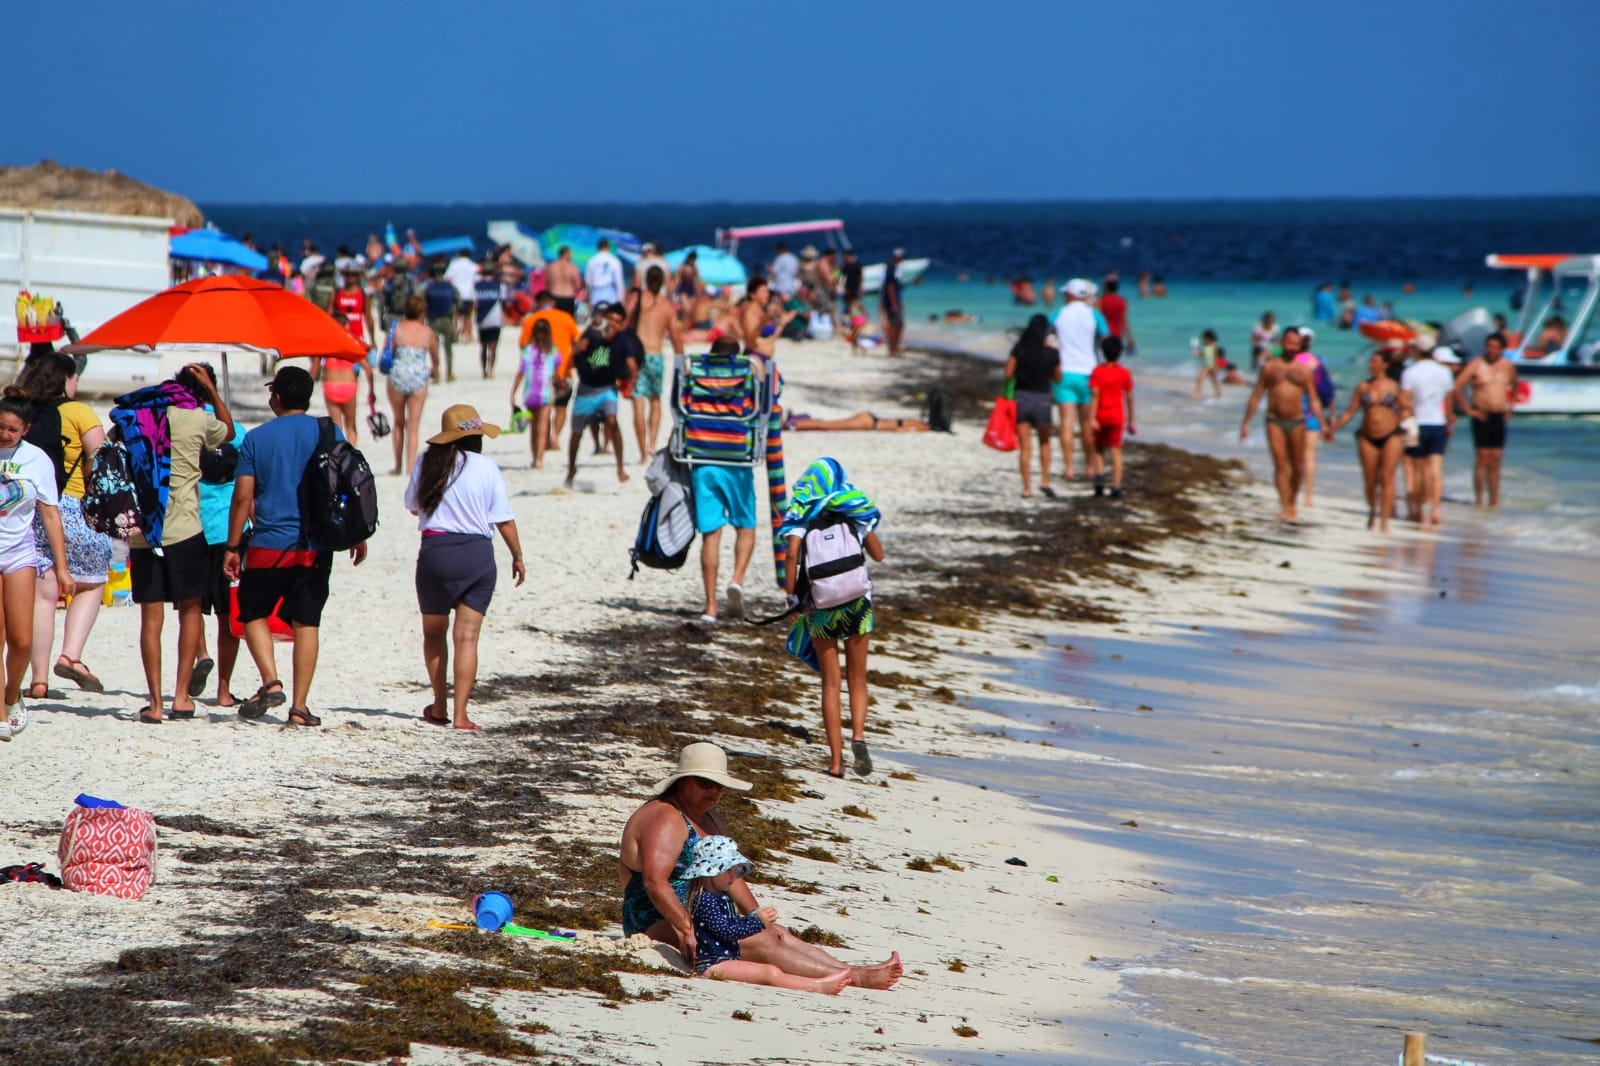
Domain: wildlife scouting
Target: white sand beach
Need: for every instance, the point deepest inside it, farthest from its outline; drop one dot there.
(1004, 951)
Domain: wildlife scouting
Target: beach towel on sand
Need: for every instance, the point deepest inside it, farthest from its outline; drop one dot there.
(140, 421)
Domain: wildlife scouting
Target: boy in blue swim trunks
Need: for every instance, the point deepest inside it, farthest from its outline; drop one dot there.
(601, 369)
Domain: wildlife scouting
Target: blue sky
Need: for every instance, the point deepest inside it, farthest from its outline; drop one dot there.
(497, 101)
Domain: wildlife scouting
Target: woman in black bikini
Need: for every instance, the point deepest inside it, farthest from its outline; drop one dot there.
(1379, 441)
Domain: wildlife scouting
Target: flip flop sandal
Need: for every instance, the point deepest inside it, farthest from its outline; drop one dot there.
(146, 718)
(267, 696)
(443, 719)
(74, 670)
(198, 679)
(474, 727)
(39, 691)
(303, 718)
(180, 716)
(863, 757)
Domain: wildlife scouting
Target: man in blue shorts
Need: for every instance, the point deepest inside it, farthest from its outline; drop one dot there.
(724, 496)
(602, 368)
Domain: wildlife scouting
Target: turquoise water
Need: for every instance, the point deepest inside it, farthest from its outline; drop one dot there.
(1551, 478)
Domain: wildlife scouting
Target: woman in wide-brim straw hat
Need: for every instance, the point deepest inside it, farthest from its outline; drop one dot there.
(658, 847)
(460, 500)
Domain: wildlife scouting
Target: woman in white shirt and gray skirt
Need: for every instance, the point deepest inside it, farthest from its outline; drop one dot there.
(459, 498)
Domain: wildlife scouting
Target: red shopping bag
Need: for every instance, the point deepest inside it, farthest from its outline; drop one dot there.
(1001, 432)
(110, 851)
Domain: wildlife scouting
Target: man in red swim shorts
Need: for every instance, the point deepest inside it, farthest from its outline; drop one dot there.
(1111, 404)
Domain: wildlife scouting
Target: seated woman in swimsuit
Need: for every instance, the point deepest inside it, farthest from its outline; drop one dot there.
(341, 383)
(657, 850)
(862, 420)
(1380, 440)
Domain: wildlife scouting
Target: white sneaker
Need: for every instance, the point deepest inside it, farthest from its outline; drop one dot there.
(735, 601)
(5, 730)
(17, 715)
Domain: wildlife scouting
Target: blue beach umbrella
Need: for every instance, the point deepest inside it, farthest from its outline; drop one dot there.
(716, 266)
(447, 245)
(585, 241)
(213, 246)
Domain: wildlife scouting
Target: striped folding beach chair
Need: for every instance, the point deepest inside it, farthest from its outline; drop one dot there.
(720, 406)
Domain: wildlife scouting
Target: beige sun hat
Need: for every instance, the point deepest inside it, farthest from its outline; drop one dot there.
(702, 759)
(461, 420)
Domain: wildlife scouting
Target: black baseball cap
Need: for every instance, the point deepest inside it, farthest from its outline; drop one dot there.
(293, 386)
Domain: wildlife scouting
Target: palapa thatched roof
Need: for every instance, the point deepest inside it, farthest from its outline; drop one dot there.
(50, 186)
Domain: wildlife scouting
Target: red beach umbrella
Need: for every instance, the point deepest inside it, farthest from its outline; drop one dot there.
(225, 313)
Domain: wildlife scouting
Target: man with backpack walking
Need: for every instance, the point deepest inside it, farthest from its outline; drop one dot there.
(285, 570)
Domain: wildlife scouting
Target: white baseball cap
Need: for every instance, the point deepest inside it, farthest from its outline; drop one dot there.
(1078, 289)
(1446, 354)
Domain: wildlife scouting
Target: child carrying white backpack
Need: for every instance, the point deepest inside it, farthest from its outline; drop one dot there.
(830, 531)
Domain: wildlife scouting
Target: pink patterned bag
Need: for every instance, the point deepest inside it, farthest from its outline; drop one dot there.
(110, 851)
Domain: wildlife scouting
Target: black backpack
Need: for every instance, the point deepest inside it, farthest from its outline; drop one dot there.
(940, 411)
(338, 497)
(44, 433)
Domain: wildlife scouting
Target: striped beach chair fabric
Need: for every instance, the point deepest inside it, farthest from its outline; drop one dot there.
(720, 407)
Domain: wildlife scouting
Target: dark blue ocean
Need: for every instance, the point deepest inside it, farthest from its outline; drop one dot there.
(1364, 241)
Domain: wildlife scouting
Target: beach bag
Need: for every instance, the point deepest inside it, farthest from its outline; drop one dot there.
(833, 565)
(110, 501)
(44, 433)
(666, 528)
(940, 410)
(1001, 432)
(386, 357)
(1327, 391)
(110, 851)
(338, 496)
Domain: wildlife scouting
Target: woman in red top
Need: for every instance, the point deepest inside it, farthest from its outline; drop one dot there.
(341, 380)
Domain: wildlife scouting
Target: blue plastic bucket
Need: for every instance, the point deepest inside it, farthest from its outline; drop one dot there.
(491, 910)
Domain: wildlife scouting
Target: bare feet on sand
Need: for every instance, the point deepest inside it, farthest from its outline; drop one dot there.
(834, 983)
(879, 975)
(622, 475)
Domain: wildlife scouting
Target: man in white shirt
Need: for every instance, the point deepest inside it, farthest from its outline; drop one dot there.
(1430, 380)
(602, 276)
(649, 256)
(785, 272)
(1075, 335)
(463, 274)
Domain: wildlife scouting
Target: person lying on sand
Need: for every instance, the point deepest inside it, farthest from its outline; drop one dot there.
(658, 847)
(719, 928)
(864, 421)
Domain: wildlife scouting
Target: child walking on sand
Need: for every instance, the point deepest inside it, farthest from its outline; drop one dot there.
(718, 927)
(826, 511)
(540, 362)
(1111, 411)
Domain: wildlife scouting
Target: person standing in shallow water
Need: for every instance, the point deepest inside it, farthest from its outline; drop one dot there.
(1287, 386)
(1487, 391)
(459, 497)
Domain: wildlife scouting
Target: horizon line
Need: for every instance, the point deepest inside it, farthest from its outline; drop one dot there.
(941, 202)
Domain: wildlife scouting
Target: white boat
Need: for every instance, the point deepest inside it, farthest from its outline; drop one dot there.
(832, 230)
(1561, 378)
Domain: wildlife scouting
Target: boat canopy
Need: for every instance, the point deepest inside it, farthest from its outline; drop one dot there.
(1527, 262)
(783, 229)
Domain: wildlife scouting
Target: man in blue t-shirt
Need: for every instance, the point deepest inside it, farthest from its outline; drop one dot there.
(440, 296)
(283, 573)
